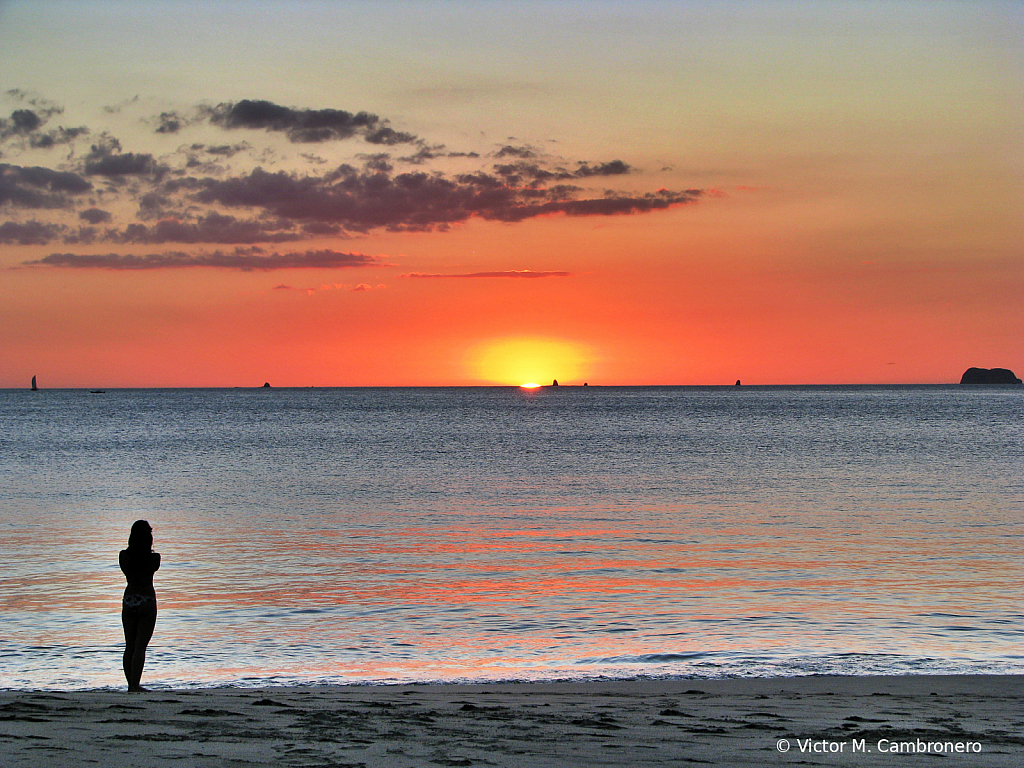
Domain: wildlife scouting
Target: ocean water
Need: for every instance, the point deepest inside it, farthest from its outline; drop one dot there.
(452, 534)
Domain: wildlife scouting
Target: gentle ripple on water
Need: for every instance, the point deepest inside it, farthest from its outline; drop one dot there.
(477, 533)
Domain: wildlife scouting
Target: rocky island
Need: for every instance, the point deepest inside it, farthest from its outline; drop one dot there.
(989, 376)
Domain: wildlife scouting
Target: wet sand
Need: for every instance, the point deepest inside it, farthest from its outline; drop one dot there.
(821, 720)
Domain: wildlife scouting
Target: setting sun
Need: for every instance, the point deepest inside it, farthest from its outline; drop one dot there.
(530, 360)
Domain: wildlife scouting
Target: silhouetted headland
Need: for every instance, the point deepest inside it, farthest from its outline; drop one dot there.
(989, 376)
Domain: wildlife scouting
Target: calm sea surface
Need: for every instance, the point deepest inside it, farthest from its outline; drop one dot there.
(356, 535)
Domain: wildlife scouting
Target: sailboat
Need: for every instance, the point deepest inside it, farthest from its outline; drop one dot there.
(34, 387)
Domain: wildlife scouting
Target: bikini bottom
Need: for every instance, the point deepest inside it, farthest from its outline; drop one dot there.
(138, 605)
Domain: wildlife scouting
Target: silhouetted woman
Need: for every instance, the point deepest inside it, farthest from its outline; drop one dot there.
(138, 608)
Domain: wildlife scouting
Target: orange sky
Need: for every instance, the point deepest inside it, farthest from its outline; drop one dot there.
(840, 190)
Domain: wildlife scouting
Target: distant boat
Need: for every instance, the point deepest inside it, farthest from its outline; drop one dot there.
(34, 387)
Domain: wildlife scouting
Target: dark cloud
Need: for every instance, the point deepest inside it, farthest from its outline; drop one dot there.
(57, 136)
(378, 163)
(361, 201)
(212, 228)
(389, 136)
(169, 122)
(306, 126)
(83, 235)
(55, 181)
(94, 215)
(154, 205)
(196, 194)
(225, 150)
(246, 260)
(321, 229)
(610, 205)
(613, 168)
(527, 273)
(26, 124)
(22, 122)
(127, 164)
(201, 156)
(534, 173)
(510, 151)
(29, 232)
(425, 154)
(25, 120)
(38, 187)
(105, 158)
(528, 173)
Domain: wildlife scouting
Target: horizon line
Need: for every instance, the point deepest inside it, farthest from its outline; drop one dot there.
(96, 388)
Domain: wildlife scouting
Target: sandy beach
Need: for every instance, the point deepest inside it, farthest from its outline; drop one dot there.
(864, 721)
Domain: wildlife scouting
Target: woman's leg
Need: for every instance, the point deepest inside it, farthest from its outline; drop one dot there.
(142, 633)
(129, 621)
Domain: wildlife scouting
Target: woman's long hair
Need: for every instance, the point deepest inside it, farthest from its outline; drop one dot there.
(140, 540)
